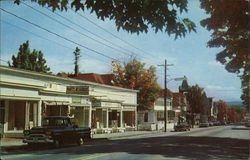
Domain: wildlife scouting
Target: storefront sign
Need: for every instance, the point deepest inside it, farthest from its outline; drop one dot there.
(76, 100)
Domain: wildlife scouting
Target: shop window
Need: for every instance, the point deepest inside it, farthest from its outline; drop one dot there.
(80, 116)
(146, 117)
(16, 114)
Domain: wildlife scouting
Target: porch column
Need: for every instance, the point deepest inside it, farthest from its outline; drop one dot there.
(39, 113)
(121, 118)
(107, 118)
(136, 120)
(90, 116)
(27, 115)
(6, 118)
(35, 108)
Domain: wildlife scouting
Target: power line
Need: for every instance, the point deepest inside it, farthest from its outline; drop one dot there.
(112, 34)
(56, 34)
(39, 36)
(72, 28)
(91, 32)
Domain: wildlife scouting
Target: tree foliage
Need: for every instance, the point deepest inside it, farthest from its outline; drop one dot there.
(245, 85)
(134, 16)
(222, 110)
(229, 22)
(25, 59)
(135, 75)
(195, 98)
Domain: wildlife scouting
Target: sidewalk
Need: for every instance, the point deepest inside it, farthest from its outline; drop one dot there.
(7, 142)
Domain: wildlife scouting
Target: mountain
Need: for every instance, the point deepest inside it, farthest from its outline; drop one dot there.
(231, 103)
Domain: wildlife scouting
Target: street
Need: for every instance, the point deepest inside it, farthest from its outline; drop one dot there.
(220, 142)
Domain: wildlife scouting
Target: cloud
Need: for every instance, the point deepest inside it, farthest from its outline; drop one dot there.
(214, 63)
(216, 87)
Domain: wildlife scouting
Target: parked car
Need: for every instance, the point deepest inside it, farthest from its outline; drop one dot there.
(182, 126)
(247, 123)
(211, 123)
(57, 130)
(205, 124)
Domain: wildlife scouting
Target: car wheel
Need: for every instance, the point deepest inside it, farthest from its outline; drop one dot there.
(80, 141)
(57, 143)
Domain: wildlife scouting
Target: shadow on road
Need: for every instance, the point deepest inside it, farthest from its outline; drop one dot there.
(184, 147)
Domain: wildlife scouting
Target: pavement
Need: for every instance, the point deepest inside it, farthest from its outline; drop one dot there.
(7, 142)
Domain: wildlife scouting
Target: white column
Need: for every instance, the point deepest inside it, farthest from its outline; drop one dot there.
(27, 114)
(136, 119)
(35, 108)
(90, 115)
(39, 113)
(6, 119)
(107, 118)
(121, 118)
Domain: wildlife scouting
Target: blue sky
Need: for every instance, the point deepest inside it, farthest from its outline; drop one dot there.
(190, 55)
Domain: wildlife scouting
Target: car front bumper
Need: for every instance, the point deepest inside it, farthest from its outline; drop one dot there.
(42, 139)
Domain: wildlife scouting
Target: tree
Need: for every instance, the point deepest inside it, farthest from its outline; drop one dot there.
(229, 22)
(245, 85)
(240, 110)
(222, 111)
(134, 16)
(77, 55)
(195, 98)
(25, 59)
(134, 75)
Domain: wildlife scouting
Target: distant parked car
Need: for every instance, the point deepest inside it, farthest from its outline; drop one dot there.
(183, 126)
(204, 124)
(247, 123)
(211, 123)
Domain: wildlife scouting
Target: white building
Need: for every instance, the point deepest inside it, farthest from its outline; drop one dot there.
(26, 97)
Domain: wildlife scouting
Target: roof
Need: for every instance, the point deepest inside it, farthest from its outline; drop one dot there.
(97, 78)
(66, 80)
(177, 94)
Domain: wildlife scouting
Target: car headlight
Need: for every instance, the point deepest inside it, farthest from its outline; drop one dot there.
(26, 132)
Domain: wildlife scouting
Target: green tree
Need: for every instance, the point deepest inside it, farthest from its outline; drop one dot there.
(134, 75)
(25, 59)
(195, 98)
(134, 16)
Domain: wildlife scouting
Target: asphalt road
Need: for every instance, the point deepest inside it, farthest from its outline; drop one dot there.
(214, 143)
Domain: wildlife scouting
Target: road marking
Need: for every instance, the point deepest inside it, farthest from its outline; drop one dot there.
(92, 156)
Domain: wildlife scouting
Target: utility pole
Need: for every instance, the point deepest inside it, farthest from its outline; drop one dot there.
(165, 94)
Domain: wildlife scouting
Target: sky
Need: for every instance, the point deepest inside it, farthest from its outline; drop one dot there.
(190, 55)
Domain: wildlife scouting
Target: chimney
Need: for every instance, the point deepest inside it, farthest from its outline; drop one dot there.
(76, 70)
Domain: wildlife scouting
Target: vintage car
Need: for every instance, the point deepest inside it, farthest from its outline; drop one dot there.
(204, 124)
(182, 126)
(57, 130)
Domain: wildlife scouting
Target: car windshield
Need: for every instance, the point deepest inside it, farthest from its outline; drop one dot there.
(53, 122)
